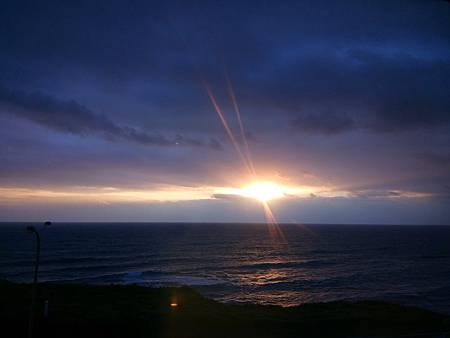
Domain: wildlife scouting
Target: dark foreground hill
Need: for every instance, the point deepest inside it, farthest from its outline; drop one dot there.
(133, 311)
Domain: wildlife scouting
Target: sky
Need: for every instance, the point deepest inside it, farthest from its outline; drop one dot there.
(107, 114)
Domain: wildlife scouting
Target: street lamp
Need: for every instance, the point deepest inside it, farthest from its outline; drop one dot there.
(33, 230)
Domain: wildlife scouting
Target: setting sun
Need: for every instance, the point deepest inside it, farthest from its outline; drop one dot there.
(263, 191)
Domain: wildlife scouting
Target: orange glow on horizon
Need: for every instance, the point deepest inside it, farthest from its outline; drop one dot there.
(261, 191)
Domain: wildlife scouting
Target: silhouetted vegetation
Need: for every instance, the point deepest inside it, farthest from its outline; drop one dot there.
(133, 311)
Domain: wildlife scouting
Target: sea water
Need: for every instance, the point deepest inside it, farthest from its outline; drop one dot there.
(243, 262)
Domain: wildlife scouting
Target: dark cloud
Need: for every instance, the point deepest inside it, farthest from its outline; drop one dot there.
(214, 144)
(437, 161)
(386, 67)
(229, 197)
(65, 116)
(377, 193)
(408, 92)
(380, 92)
(72, 117)
(325, 123)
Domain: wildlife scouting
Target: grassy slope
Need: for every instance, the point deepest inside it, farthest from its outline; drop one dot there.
(133, 311)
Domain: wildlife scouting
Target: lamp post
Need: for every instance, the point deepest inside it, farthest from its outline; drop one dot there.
(33, 230)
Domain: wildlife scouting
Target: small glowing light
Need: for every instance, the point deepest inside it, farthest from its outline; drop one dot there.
(173, 304)
(263, 191)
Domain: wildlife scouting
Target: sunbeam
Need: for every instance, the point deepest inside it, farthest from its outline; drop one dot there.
(262, 191)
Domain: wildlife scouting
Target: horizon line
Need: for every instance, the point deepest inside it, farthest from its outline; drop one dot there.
(219, 223)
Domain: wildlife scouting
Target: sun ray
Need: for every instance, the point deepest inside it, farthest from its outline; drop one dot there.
(239, 118)
(275, 231)
(261, 191)
(227, 127)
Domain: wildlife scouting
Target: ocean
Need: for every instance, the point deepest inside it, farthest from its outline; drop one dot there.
(243, 262)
